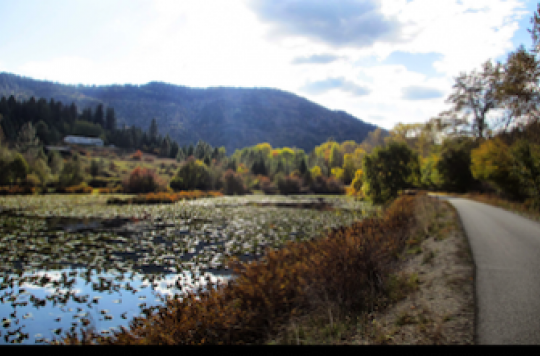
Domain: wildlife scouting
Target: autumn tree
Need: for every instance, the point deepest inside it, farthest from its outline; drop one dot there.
(193, 174)
(387, 170)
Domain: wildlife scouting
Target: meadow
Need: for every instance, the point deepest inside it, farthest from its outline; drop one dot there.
(70, 262)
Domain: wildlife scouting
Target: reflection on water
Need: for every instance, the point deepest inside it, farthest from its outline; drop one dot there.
(37, 305)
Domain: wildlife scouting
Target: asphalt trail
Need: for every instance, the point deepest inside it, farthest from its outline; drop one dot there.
(506, 252)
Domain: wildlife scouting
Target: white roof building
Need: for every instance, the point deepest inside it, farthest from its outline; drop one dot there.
(81, 140)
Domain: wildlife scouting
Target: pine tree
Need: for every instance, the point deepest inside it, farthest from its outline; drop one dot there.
(99, 116)
(110, 119)
(153, 131)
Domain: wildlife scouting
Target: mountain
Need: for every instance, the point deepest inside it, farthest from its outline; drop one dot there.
(230, 117)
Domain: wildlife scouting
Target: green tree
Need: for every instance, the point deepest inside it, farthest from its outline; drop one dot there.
(454, 165)
(110, 119)
(336, 158)
(95, 168)
(349, 168)
(18, 168)
(153, 131)
(56, 163)
(71, 173)
(99, 116)
(193, 174)
(387, 170)
(165, 149)
(27, 139)
(526, 167)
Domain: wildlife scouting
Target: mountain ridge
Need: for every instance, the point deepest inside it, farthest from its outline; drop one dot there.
(222, 116)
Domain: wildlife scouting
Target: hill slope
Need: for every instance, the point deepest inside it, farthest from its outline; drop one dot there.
(230, 117)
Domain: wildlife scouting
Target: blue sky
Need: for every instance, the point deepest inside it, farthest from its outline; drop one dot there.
(383, 61)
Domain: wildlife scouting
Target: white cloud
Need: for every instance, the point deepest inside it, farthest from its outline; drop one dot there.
(218, 43)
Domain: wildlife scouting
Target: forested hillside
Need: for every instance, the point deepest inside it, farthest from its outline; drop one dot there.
(229, 117)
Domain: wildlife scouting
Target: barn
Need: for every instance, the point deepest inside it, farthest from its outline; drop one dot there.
(81, 140)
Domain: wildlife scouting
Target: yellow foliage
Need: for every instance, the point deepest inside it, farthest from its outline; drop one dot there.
(491, 160)
(316, 171)
(338, 173)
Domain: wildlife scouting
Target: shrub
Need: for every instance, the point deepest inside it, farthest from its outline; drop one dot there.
(233, 184)
(351, 267)
(17, 190)
(289, 185)
(98, 182)
(79, 189)
(137, 155)
(191, 175)
(334, 186)
(32, 180)
(142, 180)
(71, 174)
(267, 186)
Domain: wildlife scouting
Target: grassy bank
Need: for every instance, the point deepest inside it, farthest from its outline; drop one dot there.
(427, 297)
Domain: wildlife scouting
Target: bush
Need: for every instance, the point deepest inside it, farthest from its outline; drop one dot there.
(142, 180)
(71, 174)
(267, 186)
(137, 155)
(17, 190)
(32, 180)
(79, 189)
(98, 182)
(192, 175)
(350, 267)
(334, 186)
(289, 185)
(233, 184)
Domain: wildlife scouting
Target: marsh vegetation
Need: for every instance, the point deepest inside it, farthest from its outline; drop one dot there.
(70, 262)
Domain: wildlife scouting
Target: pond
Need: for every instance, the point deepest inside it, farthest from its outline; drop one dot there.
(68, 262)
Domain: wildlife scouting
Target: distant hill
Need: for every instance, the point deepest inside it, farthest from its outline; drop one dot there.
(230, 117)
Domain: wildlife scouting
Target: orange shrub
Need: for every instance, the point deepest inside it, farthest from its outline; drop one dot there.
(143, 180)
(78, 189)
(137, 155)
(17, 190)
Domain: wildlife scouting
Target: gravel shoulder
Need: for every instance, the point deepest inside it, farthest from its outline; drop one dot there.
(442, 308)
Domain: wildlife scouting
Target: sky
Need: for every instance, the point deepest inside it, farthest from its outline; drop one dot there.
(382, 61)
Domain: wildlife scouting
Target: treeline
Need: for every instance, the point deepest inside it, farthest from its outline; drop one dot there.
(53, 121)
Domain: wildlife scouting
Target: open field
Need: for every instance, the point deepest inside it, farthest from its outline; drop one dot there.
(69, 261)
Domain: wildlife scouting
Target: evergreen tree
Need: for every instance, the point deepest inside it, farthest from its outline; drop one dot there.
(110, 119)
(302, 167)
(99, 117)
(174, 149)
(165, 148)
(153, 131)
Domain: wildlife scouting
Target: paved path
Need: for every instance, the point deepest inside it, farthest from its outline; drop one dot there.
(506, 251)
